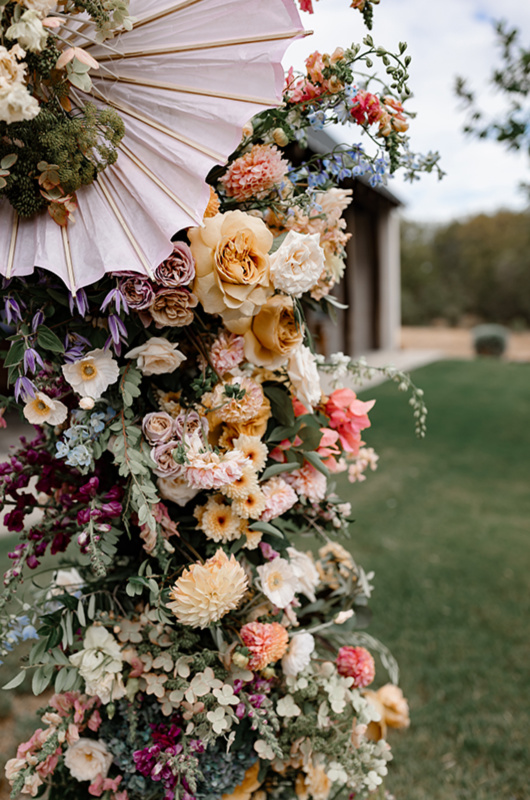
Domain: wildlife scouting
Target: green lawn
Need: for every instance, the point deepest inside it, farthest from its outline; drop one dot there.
(445, 524)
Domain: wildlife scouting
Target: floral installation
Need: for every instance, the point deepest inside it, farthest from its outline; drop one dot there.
(201, 624)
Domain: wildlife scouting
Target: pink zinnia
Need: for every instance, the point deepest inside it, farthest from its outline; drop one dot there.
(267, 642)
(255, 173)
(348, 416)
(279, 496)
(356, 663)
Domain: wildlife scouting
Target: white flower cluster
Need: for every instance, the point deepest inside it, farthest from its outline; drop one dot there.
(16, 103)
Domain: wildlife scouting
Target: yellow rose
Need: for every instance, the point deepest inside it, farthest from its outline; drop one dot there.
(273, 333)
(232, 265)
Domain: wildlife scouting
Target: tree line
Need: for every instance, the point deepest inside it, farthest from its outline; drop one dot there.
(478, 267)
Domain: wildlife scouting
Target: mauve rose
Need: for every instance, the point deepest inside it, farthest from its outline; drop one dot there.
(157, 427)
(138, 292)
(178, 269)
(172, 308)
(166, 466)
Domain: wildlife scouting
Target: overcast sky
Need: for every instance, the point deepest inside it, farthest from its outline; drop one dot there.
(446, 38)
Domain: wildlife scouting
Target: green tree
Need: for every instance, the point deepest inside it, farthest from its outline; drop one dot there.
(511, 78)
(480, 266)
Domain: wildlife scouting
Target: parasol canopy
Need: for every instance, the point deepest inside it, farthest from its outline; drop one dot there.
(185, 80)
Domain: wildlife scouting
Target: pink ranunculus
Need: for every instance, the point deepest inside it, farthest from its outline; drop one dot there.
(348, 416)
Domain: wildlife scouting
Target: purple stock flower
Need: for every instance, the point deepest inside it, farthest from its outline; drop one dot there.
(25, 388)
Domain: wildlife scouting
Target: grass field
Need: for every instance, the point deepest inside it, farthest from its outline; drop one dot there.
(445, 524)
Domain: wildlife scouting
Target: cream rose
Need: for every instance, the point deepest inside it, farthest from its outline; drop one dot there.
(273, 333)
(88, 758)
(298, 263)
(176, 489)
(304, 377)
(157, 356)
(232, 265)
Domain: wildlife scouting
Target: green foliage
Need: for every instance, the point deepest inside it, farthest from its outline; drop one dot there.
(479, 266)
(511, 78)
(80, 144)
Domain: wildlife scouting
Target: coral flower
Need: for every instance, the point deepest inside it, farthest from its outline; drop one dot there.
(255, 173)
(348, 416)
(267, 642)
(356, 663)
(206, 592)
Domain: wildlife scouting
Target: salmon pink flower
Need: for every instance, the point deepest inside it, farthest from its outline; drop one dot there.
(348, 416)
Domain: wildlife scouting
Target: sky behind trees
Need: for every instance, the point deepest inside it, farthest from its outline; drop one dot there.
(446, 38)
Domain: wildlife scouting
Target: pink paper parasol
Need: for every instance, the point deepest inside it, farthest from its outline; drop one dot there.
(185, 80)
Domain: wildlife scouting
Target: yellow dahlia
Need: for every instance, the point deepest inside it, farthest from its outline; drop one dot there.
(206, 592)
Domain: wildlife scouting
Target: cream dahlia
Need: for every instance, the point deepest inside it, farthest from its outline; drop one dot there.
(93, 374)
(218, 521)
(253, 449)
(204, 593)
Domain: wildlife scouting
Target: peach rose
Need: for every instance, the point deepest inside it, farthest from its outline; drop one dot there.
(232, 265)
(393, 708)
(273, 333)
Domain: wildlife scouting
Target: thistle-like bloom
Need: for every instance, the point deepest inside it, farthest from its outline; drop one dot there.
(93, 374)
(267, 642)
(204, 593)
